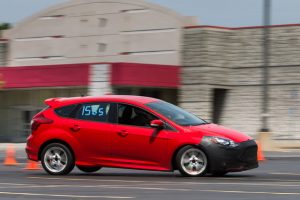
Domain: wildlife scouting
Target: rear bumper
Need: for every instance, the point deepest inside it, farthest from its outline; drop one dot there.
(227, 159)
(31, 150)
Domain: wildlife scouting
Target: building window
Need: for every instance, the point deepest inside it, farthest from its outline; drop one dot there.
(51, 17)
(83, 46)
(3, 54)
(101, 47)
(102, 22)
(84, 20)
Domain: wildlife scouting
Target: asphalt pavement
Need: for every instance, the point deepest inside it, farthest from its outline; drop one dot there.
(275, 179)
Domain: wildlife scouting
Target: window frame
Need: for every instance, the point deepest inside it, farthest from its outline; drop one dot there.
(73, 114)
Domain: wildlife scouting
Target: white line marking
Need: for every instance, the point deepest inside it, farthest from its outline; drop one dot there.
(279, 184)
(127, 181)
(58, 186)
(64, 195)
(160, 189)
(82, 179)
(150, 188)
(282, 184)
(258, 179)
(139, 188)
(16, 184)
(284, 173)
(249, 192)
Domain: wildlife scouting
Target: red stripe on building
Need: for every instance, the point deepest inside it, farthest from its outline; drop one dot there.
(45, 76)
(147, 75)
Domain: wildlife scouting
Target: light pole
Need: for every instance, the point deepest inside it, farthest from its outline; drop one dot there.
(265, 134)
(266, 63)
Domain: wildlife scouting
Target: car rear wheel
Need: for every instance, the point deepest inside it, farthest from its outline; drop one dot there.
(192, 161)
(88, 169)
(57, 159)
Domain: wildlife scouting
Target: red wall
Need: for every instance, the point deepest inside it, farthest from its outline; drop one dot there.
(45, 76)
(148, 75)
(122, 74)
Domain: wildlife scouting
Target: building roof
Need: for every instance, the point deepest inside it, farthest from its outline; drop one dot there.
(242, 27)
(56, 9)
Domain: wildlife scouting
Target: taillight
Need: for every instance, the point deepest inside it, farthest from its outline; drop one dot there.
(38, 120)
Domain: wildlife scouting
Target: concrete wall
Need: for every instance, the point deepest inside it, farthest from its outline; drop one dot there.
(232, 59)
(15, 103)
(100, 80)
(98, 31)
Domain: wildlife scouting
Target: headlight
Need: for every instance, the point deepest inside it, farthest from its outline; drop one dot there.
(223, 141)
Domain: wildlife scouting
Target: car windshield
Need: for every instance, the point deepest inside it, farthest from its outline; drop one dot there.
(176, 114)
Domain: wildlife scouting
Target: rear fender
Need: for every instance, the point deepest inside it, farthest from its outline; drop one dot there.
(60, 135)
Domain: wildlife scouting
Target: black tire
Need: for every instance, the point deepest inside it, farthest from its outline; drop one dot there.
(66, 157)
(194, 161)
(88, 169)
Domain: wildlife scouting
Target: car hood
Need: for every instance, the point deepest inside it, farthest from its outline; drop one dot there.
(219, 131)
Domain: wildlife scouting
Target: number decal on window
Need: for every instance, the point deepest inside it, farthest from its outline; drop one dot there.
(94, 110)
(86, 111)
(101, 112)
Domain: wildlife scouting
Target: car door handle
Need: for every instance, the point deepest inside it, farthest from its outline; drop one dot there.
(123, 133)
(75, 128)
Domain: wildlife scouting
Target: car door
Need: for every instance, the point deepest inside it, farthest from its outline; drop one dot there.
(135, 144)
(92, 129)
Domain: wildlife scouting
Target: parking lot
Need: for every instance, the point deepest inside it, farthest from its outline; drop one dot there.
(275, 179)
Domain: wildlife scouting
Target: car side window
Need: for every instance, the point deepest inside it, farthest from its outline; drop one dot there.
(130, 115)
(98, 112)
(66, 111)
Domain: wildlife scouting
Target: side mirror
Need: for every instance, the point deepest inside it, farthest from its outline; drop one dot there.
(157, 123)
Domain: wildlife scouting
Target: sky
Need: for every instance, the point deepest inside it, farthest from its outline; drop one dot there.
(230, 13)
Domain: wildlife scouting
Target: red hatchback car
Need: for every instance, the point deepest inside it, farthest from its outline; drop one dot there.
(134, 132)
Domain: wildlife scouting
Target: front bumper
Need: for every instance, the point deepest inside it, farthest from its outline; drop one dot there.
(228, 159)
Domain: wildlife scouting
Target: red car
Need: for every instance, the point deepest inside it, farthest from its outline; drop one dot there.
(134, 132)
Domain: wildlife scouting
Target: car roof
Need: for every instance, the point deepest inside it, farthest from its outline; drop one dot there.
(57, 102)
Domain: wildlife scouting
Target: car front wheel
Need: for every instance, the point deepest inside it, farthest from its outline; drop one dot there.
(192, 161)
(57, 159)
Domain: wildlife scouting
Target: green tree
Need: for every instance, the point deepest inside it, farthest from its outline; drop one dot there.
(4, 26)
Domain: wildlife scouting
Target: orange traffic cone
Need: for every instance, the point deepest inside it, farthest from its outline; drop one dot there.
(10, 159)
(260, 154)
(32, 165)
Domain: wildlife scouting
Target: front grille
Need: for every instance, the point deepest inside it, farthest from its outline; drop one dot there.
(249, 155)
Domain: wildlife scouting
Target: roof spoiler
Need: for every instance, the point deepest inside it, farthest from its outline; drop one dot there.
(52, 102)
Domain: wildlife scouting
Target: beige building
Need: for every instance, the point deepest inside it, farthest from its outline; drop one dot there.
(92, 31)
(95, 47)
(222, 78)
(88, 47)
